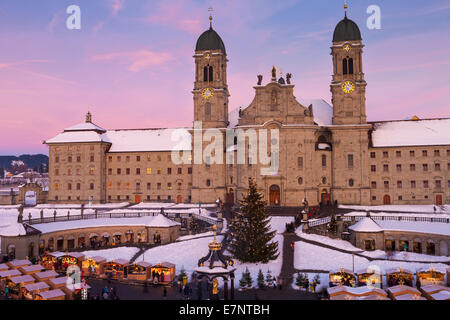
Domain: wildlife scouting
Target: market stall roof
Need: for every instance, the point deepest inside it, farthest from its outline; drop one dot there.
(366, 225)
(120, 261)
(164, 265)
(34, 267)
(409, 296)
(434, 269)
(52, 294)
(46, 274)
(341, 270)
(78, 286)
(401, 289)
(433, 288)
(10, 273)
(98, 259)
(75, 255)
(441, 295)
(59, 280)
(22, 279)
(143, 264)
(57, 254)
(3, 267)
(389, 271)
(358, 291)
(36, 286)
(19, 263)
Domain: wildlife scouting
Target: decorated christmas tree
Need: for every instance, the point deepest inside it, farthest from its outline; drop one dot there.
(260, 279)
(246, 280)
(251, 235)
(269, 278)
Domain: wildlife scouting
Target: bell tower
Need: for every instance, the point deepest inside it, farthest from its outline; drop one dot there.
(348, 86)
(210, 86)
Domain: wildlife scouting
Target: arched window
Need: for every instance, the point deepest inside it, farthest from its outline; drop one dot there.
(344, 66)
(208, 183)
(300, 180)
(205, 74)
(208, 109)
(324, 180)
(324, 160)
(210, 73)
(351, 182)
(350, 66)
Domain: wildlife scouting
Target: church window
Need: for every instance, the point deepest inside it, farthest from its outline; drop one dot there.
(438, 183)
(324, 160)
(127, 158)
(138, 186)
(56, 159)
(169, 186)
(386, 185)
(300, 180)
(169, 170)
(91, 186)
(351, 182)
(189, 170)
(350, 161)
(208, 109)
(205, 74)
(69, 172)
(127, 185)
(448, 153)
(119, 158)
(158, 171)
(138, 158)
(92, 158)
(118, 185)
(158, 186)
(324, 180)
(78, 158)
(300, 162)
(385, 168)
(110, 159)
(344, 66)
(91, 170)
(211, 74)
(350, 66)
(208, 183)
(180, 170)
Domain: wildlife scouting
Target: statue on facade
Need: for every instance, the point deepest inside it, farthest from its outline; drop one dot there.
(260, 78)
(240, 112)
(20, 217)
(288, 78)
(274, 73)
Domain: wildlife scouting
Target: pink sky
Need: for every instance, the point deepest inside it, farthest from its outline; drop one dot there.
(132, 67)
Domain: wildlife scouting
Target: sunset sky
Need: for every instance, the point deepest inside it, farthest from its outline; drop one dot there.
(131, 63)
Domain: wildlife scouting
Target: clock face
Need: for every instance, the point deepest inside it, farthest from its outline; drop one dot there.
(348, 87)
(207, 93)
(347, 47)
(207, 56)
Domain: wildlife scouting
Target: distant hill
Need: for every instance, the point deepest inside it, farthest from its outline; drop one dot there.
(31, 161)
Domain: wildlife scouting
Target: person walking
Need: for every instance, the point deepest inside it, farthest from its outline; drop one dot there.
(164, 292)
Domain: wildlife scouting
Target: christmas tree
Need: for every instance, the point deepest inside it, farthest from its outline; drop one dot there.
(194, 226)
(251, 235)
(269, 278)
(260, 279)
(300, 280)
(332, 226)
(246, 280)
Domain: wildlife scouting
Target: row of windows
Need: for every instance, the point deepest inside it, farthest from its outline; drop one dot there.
(148, 185)
(324, 161)
(413, 184)
(412, 167)
(78, 159)
(77, 171)
(412, 153)
(148, 198)
(138, 158)
(148, 171)
(76, 186)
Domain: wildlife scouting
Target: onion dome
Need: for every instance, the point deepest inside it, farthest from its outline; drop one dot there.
(346, 30)
(210, 40)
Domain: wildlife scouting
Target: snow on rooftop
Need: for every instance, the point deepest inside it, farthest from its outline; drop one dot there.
(147, 221)
(78, 136)
(411, 133)
(84, 126)
(36, 286)
(366, 225)
(419, 227)
(12, 230)
(441, 295)
(150, 140)
(51, 294)
(322, 111)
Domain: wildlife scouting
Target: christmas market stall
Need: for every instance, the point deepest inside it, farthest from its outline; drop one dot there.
(93, 266)
(162, 273)
(3, 267)
(139, 271)
(16, 264)
(430, 276)
(46, 275)
(34, 268)
(77, 291)
(6, 275)
(50, 260)
(30, 290)
(448, 277)
(370, 277)
(15, 285)
(58, 283)
(72, 259)
(342, 277)
(116, 269)
(435, 292)
(350, 293)
(56, 294)
(399, 277)
(402, 292)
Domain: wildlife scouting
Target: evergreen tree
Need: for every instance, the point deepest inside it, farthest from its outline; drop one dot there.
(251, 235)
(300, 280)
(332, 226)
(194, 225)
(269, 278)
(260, 279)
(246, 279)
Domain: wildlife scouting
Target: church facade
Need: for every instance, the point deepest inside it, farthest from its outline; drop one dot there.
(324, 153)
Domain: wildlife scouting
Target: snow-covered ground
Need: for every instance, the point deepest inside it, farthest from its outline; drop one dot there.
(279, 223)
(324, 279)
(336, 243)
(112, 254)
(407, 256)
(195, 236)
(401, 208)
(308, 256)
(183, 254)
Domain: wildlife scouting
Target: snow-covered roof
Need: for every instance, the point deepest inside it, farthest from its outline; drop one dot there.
(36, 286)
(85, 126)
(147, 221)
(150, 140)
(79, 136)
(12, 230)
(120, 261)
(409, 296)
(233, 118)
(34, 267)
(52, 294)
(366, 225)
(4, 266)
(58, 281)
(10, 273)
(416, 227)
(411, 133)
(22, 279)
(399, 289)
(20, 263)
(322, 111)
(46, 274)
(433, 288)
(441, 295)
(363, 290)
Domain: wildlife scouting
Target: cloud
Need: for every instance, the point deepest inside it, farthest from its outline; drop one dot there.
(117, 5)
(137, 60)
